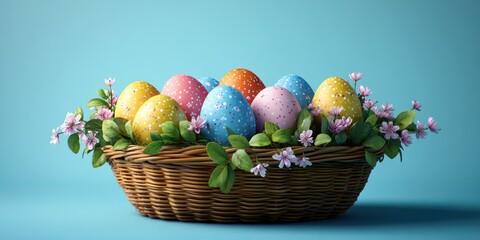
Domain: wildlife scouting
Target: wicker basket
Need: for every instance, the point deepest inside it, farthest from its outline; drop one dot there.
(173, 185)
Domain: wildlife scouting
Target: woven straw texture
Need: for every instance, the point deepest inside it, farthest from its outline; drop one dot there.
(173, 185)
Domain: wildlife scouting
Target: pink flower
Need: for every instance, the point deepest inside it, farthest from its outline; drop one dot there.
(112, 100)
(109, 81)
(386, 112)
(314, 110)
(260, 168)
(420, 133)
(196, 124)
(339, 124)
(416, 105)
(364, 91)
(103, 113)
(90, 140)
(389, 130)
(432, 125)
(306, 138)
(369, 104)
(405, 138)
(335, 111)
(355, 76)
(72, 124)
(303, 162)
(286, 157)
(55, 138)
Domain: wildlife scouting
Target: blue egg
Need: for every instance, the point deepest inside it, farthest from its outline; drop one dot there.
(208, 82)
(225, 107)
(298, 87)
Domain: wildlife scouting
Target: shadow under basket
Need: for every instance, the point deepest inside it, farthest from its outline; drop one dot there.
(173, 185)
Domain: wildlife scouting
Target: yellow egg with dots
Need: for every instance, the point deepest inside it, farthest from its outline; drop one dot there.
(132, 97)
(336, 92)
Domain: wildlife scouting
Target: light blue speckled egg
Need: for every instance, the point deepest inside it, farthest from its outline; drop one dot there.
(208, 82)
(226, 107)
(298, 87)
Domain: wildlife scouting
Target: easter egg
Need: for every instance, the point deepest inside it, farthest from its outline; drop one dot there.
(245, 81)
(188, 92)
(132, 97)
(336, 92)
(153, 113)
(275, 104)
(298, 87)
(208, 82)
(225, 107)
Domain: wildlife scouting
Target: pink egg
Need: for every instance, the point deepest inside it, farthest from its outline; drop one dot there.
(275, 104)
(188, 92)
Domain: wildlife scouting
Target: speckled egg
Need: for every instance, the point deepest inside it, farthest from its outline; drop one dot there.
(188, 92)
(208, 82)
(275, 104)
(132, 97)
(226, 107)
(245, 81)
(336, 92)
(298, 87)
(152, 114)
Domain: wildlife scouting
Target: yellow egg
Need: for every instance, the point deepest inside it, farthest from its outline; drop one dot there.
(132, 97)
(153, 113)
(336, 92)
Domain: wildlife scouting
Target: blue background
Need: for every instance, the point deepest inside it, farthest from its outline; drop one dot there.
(54, 55)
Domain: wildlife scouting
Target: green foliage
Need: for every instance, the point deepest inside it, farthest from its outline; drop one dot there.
(153, 148)
(341, 138)
(101, 93)
(271, 128)
(110, 130)
(238, 141)
(392, 148)
(156, 136)
(230, 131)
(405, 119)
(171, 134)
(260, 140)
(375, 142)
(359, 132)
(217, 153)
(93, 125)
(322, 139)
(74, 143)
(78, 111)
(121, 144)
(371, 158)
(121, 122)
(97, 102)
(282, 136)
(304, 120)
(98, 158)
(188, 136)
(241, 160)
(324, 128)
(129, 130)
(228, 184)
(372, 119)
(218, 176)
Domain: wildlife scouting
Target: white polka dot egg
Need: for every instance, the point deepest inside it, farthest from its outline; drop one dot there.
(298, 87)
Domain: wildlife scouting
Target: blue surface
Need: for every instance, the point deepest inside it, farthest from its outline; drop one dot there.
(54, 55)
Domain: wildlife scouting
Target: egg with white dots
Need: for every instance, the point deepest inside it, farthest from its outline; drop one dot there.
(298, 87)
(336, 92)
(275, 104)
(132, 97)
(245, 81)
(188, 92)
(208, 83)
(225, 107)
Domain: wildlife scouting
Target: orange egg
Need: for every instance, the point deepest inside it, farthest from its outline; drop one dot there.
(245, 81)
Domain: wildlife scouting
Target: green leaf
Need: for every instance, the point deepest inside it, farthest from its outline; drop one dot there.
(217, 153)
(341, 138)
(325, 125)
(304, 120)
(94, 125)
(230, 131)
(260, 140)
(238, 141)
(405, 119)
(228, 184)
(79, 110)
(371, 158)
(372, 119)
(101, 93)
(168, 140)
(155, 136)
(412, 127)
(129, 130)
(187, 135)
(322, 139)
(121, 122)
(375, 143)
(241, 160)
(270, 128)
(282, 136)
(153, 148)
(169, 129)
(359, 132)
(97, 102)
(393, 148)
(98, 158)
(110, 130)
(218, 176)
(74, 143)
(121, 144)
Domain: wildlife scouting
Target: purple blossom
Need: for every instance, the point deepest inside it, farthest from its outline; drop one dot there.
(389, 130)
(109, 81)
(335, 111)
(339, 124)
(355, 76)
(260, 168)
(314, 110)
(369, 104)
(405, 138)
(286, 157)
(386, 112)
(416, 105)
(432, 125)
(72, 124)
(306, 138)
(364, 91)
(420, 133)
(303, 162)
(196, 124)
(55, 138)
(103, 113)
(90, 140)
